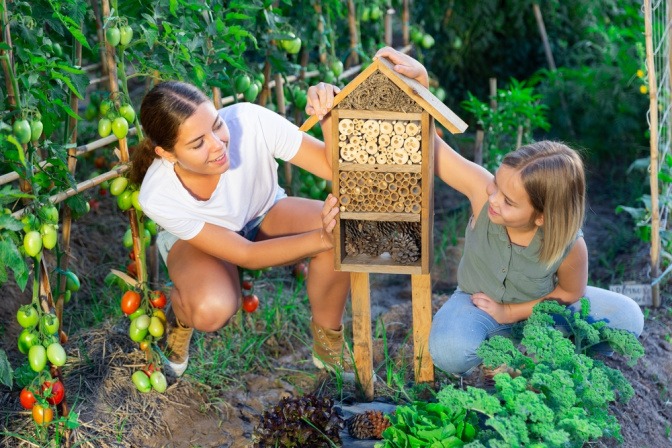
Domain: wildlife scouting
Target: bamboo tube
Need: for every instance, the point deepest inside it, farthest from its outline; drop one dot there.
(653, 143)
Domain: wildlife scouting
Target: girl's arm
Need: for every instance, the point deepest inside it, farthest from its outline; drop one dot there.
(229, 246)
(572, 280)
(461, 174)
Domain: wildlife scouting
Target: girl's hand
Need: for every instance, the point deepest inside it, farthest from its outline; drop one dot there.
(320, 99)
(498, 311)
(405, 65)
(329, 212)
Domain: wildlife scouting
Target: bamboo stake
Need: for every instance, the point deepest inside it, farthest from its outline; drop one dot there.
(389, 13)
(653, 143)
(321, 48)
(101, 38)
(353, 58)
(405, 22)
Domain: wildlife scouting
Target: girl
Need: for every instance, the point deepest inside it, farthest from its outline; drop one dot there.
(209, 179)
(523, 244)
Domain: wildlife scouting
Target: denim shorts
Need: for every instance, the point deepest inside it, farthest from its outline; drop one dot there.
(165, 239)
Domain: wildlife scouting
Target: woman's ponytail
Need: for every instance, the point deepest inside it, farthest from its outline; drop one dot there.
(141, 159)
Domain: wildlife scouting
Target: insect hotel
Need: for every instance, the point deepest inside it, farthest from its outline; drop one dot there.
(382, 140)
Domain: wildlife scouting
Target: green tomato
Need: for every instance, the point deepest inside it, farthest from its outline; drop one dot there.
(136, 334)
(366, 14)
(67, 296)
(49, 213)
(72, 283)
(148, 238)
(337, 68)
(124, 200)
(49, 236)
(36, 128)
(113, 36)
(27, 316)
(158, 381)
(142, 322)
(151, 226)
(300, 99)
(241, 83)
(125, 36)
(56, 354)
(37, 358)
(32, 243)
(126, 111)
(49, 323)
(156, 327)
(252, 92)
(135, 200)
(90, 112)
(30, 222)
(120, 127)
(22, 132)
(141, 381)
(427, 41)
(128, 239)
(293, 46)
(104, 127)
(137, 313)
(118, 186)
(105, 107)
(375, 13)
(58, 50)
(27, 338)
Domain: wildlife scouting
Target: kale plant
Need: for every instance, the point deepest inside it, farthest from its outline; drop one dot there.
(561, 397)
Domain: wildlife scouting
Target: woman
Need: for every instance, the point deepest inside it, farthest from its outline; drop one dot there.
(209, 179)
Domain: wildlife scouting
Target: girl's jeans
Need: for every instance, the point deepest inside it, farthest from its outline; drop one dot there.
(459, 327)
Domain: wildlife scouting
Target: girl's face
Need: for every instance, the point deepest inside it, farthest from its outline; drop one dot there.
(202, 145)
(509, 203)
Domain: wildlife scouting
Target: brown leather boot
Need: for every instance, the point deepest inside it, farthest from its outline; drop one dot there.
(330, 350)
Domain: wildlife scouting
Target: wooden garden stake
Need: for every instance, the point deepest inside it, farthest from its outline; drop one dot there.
(653, 144)
(353, 28)
(405, 20)
(361, 328)
(389, 14)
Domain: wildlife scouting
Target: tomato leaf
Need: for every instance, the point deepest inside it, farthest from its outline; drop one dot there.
(5, 370)
(67, 82)
(71, 25)
(66, 108)
(10, 256)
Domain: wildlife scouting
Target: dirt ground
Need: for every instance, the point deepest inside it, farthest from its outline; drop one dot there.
(114, 414)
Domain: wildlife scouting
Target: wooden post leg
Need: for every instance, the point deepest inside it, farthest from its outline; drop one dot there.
(361, 331)
(421, 290)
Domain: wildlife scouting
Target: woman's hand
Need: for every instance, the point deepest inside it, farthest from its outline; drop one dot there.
(498, 311)
(321, 99)
(329, 212)
(405, 65)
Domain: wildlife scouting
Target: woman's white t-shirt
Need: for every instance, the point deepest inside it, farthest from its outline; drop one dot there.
(245, 191)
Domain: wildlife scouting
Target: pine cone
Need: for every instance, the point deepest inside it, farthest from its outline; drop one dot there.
(404, 249)
(367, 425)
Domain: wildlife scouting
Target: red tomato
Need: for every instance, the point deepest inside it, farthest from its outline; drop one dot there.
(57, 391)
(132, 269)
(250, 303)
(247, 285)
(130, 302)
(300, 271)
(42, 415)
(157, 299)
(27, 398)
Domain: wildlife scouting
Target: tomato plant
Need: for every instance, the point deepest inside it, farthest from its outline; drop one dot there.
(157, 299)
(250, 302)
(54, 391)
(130, 302)
(27, 398)
(42, 414)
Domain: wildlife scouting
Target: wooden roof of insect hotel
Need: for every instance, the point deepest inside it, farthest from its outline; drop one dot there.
(416, 91)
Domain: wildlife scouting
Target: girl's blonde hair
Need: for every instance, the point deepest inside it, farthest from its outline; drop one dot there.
(554, 178)
(163, 110)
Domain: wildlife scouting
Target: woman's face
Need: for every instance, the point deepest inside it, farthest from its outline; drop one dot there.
(202, 145)
(509, 203)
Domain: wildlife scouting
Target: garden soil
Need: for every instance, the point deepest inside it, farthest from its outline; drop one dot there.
(113, 413)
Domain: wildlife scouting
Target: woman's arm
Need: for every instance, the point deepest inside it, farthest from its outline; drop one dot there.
(572, 280)
(230, 246)
(314, 155)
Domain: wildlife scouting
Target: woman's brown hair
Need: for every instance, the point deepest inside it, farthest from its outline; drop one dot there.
(162, 111)
(553, 177)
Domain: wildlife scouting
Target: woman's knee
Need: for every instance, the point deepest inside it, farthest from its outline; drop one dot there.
(453, 352)
(214, 312)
